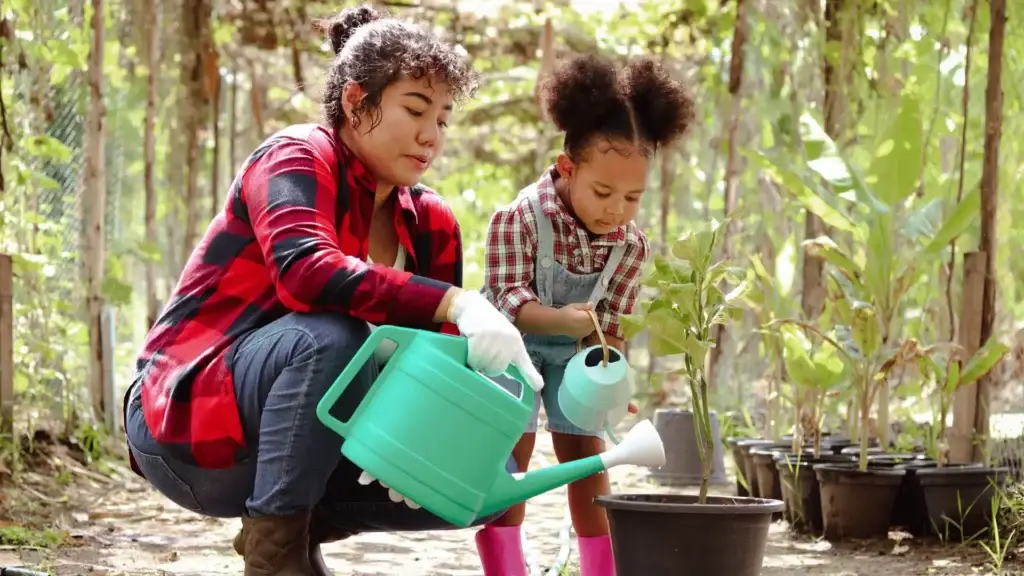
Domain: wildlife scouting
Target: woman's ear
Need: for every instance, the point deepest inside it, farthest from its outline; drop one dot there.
(352, 96)
(565, 166)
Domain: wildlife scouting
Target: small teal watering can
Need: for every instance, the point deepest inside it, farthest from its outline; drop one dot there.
(596, 388)
(439, 433)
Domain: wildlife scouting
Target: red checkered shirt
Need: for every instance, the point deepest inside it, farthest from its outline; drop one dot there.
(293, 236)
(512, 246)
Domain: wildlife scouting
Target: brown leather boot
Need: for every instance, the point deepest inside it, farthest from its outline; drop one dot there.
(319, 533)
(276, 545)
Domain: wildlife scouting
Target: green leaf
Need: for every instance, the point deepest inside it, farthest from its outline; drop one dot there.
(878, 265)
(668, 334)
(896, 166)
(632, 324)
(983, 360)
(825, 247)
(867, 333)
(811, 199)
(962, 218)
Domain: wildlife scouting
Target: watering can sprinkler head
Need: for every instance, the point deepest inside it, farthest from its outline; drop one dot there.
(642, 446)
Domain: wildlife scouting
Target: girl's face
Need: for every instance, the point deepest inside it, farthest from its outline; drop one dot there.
(604, 191)
(410, 130)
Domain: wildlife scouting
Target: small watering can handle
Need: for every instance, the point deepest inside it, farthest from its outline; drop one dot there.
(600, 335)
(401, 336)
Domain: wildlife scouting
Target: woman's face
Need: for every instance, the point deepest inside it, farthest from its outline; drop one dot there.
(605, 189)
(410, 134)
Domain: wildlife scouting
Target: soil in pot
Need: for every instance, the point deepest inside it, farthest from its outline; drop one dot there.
(673, 534)
(739, 461)
(959, 499)
(800, 489)
(856, 504)
(768, 484)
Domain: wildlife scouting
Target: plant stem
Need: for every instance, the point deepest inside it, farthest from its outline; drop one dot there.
(709, 442)
(865, 424)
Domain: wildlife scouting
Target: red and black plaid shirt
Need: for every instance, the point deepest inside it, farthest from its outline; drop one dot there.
(293, 236)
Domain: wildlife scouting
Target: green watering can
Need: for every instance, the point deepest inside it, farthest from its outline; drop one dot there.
(440, 433)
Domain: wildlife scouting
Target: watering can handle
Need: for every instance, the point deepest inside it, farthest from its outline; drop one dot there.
(600, 335)
(527, 396)
(401, 336)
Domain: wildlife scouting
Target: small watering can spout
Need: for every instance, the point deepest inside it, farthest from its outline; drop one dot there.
(642, 446)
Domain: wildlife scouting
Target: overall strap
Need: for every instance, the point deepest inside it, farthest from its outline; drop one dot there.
(601, 286)
(545, 258)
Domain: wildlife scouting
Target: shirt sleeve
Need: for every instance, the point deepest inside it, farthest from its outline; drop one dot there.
(509, 262)
(623, 287)
(290, 195)
(445, 240)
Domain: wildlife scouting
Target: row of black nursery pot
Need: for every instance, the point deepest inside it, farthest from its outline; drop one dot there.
(674, 533)
(830, 496)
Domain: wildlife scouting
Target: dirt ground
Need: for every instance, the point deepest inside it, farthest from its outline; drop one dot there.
(113, 524)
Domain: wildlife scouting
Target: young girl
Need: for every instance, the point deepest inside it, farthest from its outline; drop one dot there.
(568, 245)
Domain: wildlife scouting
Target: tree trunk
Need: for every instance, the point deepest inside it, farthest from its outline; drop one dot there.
(149, 150)
(739, 40)
(989, 206)
(93, 204)
(196, 43)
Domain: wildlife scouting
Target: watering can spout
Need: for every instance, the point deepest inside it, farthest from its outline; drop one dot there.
(642, 446)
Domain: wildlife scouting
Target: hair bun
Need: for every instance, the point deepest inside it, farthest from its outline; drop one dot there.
(341, 27)
(581, 92)
(663, 108)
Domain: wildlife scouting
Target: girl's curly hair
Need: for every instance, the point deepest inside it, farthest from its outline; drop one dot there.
(375, 50)
(589, 98)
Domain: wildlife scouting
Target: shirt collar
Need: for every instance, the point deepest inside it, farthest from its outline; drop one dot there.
(553, 207)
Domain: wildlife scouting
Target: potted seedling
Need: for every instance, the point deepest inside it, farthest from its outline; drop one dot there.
(891, 237)
(673, 534)
(816, 369)
(768, 298)
(953, 497)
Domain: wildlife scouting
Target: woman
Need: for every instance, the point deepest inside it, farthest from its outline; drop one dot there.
(325, 232)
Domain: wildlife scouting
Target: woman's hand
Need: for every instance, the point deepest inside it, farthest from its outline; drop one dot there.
(494, 342)
(574, 320)
(365, 479)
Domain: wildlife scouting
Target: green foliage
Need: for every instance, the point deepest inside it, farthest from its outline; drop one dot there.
(688, 302)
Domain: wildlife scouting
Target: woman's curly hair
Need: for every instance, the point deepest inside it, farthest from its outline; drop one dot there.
(375, 50)
(589, 98)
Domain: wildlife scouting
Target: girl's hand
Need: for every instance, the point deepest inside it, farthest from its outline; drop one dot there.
(575, 320)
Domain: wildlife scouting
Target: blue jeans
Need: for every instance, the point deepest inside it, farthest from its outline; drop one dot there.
(281, 372)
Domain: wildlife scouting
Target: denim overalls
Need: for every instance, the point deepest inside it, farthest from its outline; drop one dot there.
(556, 287)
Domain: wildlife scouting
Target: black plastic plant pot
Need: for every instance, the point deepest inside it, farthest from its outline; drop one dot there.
(673, 534)
(959, 499)
(739, 461)
(800, 489)
(749, 471)
(855, 503)
(768, 484)
(911, 511)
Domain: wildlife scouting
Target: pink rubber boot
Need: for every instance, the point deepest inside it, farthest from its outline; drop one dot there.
(596, 556)
(501, 550)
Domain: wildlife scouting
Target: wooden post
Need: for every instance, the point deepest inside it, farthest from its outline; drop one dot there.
(989, 206)
(6, 346)
(965, 399)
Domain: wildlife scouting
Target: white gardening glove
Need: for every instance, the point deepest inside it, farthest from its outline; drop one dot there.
(494, 342)
(365, 479)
